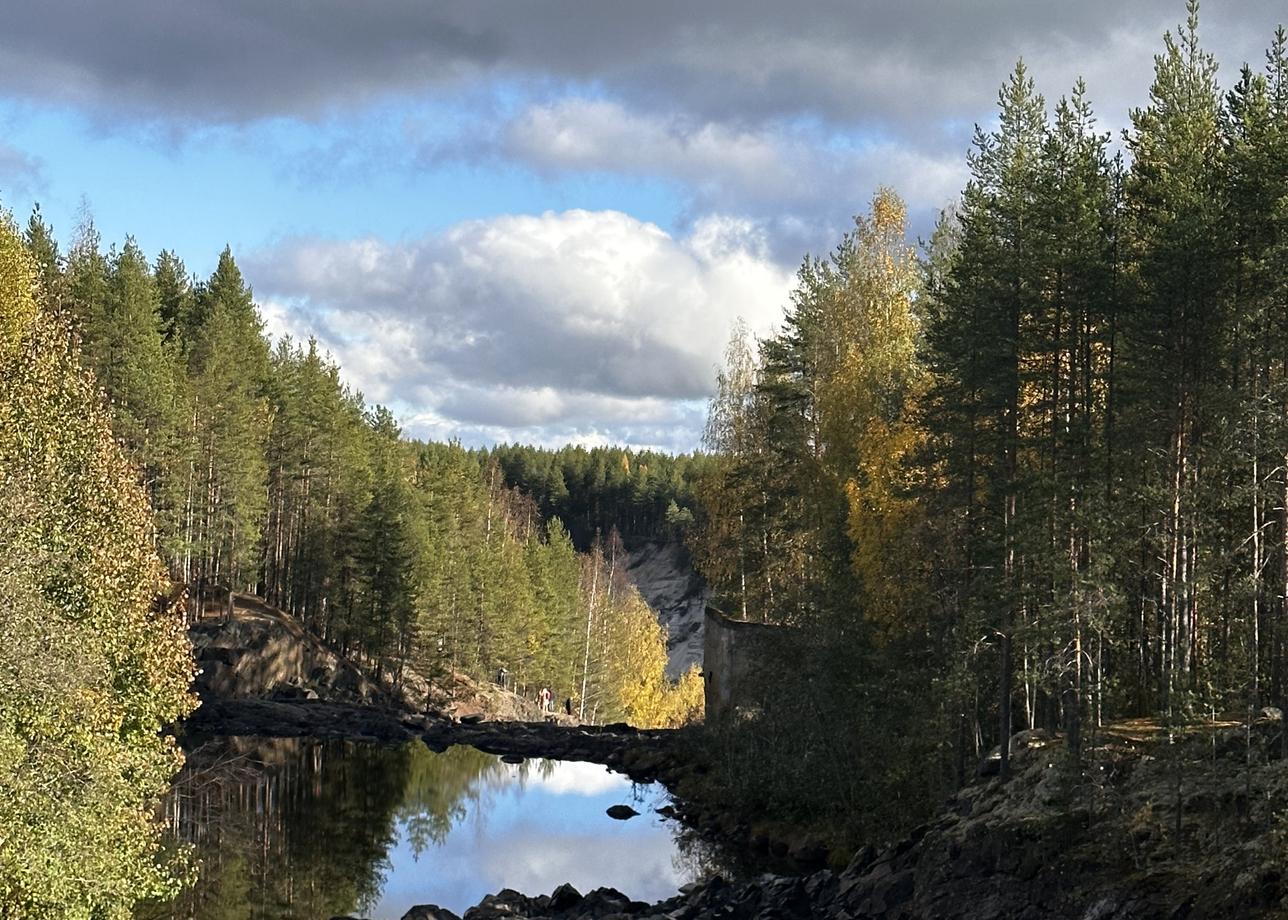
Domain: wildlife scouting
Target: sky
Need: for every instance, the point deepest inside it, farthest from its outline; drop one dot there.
(535, 222)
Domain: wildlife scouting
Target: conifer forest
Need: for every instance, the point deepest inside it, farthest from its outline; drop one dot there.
(1029, 472)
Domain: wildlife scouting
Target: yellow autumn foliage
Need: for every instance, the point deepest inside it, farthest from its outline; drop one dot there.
(91, 666)
(865, 398)
(637, 671)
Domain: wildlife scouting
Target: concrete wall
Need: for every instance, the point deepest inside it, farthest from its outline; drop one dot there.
(734, 654)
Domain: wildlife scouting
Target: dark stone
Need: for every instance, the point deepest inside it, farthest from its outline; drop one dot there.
(564, 897)
(862, 859)
(473, 718)
(820, 887)
(808, 852)
(512, 758)
(603, 901)
(429, 912)
(621, 812)
(506, 902)
(219, 654)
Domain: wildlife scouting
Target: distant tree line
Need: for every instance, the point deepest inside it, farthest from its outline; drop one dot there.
(644, 495)
(1037, 477)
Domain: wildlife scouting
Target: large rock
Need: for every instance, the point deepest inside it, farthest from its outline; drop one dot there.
(429, 912)
(564, 898)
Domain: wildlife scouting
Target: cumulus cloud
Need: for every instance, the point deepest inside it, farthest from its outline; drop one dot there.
(581, 779)
(770, 125)
(790, 116)
(589, 324)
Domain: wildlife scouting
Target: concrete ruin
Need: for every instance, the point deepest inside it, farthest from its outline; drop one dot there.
(735, 653)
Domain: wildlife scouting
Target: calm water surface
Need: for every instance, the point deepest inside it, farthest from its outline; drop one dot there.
(305, 829)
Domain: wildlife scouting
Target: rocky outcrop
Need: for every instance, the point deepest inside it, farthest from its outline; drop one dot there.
(278, 718)
(645, 755)
(1142, 827)
(664, 575)
(260, 651)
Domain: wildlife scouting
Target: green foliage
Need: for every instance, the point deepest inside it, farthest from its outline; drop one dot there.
(228, 366)
(264, 472)
(594, 491)
(91, 663)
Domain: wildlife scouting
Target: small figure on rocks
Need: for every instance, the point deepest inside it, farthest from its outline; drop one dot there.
(500, 676)
(568, 706)
(545, 699)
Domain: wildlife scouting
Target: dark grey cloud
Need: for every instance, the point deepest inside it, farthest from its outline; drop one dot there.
(21, 174)
(921, 63)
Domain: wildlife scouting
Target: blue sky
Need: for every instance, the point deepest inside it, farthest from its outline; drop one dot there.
(533, 222)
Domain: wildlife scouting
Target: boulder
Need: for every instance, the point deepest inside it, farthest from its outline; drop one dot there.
(604, 901)
(564, 898)
(807, 851)
(621, 812)
(429, 912)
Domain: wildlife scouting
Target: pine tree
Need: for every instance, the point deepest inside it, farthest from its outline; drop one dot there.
(177, 295)
(43, 247)
(228, 363)
(1175, 343)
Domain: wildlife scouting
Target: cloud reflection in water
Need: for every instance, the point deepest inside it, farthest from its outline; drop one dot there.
(533, 828)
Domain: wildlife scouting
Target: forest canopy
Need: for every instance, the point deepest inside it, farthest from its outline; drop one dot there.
(1037, 475)
(1030, 474)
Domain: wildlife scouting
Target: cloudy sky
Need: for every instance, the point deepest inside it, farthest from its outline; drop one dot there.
(534, 221)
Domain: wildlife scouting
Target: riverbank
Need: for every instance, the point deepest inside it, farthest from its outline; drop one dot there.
(1145, 825)
(1148, 825)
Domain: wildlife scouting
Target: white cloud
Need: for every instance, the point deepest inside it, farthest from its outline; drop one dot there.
(764, 170)
(573, 777)
(586, 324)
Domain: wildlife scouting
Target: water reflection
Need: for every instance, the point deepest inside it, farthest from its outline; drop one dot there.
(290, 828)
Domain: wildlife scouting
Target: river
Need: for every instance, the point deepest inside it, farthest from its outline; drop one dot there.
(290, 828)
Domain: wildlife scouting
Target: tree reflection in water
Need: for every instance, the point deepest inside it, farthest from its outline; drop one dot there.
(296, 828)
(285, 828)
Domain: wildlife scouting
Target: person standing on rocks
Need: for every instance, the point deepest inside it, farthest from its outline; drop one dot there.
(545, 699)
(568, 706)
